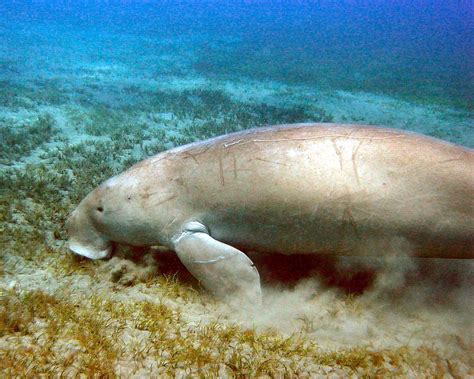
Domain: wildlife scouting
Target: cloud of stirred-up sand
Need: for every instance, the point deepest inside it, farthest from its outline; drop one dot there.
(378, 302)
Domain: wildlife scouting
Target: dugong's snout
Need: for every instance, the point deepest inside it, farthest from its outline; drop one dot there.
(84, 239)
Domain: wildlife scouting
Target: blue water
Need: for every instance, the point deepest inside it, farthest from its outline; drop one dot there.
(86, 52)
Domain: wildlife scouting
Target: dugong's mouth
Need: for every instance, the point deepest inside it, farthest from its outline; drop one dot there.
(89, 252)
(84, 238)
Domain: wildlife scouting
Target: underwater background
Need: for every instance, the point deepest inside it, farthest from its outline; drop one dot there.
(88, 88)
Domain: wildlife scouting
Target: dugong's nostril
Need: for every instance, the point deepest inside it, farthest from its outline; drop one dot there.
(100, 209)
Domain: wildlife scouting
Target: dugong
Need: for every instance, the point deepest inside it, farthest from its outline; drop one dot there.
(292, 189)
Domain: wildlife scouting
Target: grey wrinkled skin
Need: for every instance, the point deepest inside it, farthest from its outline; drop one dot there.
(303, 188)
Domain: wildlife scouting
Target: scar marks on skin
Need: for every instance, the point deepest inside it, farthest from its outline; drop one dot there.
(339, 152)
(214, 260)
(193, 154)
(147, 195)
(269, 161)
(233, 170)
(460, 157)
(354, 165)
(153, 161)
(234, 143)
(221, 171)
(334, 138)
(166, 199)
(330, 136)
(233, 167)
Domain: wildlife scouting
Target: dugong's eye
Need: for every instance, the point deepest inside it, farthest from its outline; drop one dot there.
(100, 209)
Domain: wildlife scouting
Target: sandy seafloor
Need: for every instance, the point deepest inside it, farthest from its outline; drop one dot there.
(79, 107)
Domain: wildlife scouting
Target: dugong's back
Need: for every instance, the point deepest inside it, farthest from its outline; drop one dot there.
(329, 189)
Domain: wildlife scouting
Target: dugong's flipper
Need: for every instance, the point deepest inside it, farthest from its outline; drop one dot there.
(222, 269)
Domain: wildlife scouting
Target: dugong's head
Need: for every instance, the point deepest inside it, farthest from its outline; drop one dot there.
(131, 208)
(85, 228)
